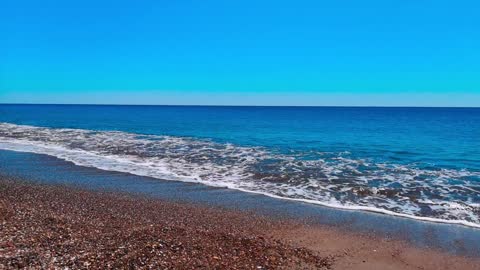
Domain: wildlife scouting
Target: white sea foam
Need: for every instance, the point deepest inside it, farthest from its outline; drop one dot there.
(330, 179)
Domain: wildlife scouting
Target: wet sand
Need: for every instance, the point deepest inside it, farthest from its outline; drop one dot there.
(47, 226)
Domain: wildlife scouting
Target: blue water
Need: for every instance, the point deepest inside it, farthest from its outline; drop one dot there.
(418, 162)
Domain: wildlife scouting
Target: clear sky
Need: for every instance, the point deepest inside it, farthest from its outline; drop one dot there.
(369, 52)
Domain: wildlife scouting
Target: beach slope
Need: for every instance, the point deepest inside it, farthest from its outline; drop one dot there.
(44, 226)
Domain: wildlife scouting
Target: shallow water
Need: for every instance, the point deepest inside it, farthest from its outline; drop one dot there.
(421, 163)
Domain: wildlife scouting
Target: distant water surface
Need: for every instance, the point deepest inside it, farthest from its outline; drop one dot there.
(420, 163)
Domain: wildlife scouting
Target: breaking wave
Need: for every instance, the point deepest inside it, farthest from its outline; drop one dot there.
(332, 179)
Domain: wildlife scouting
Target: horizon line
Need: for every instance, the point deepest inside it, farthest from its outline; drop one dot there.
(227, 105)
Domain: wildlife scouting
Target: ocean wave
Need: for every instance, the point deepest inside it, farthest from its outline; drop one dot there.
(331, 179)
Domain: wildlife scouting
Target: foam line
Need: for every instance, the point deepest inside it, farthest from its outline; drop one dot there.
(336, 181)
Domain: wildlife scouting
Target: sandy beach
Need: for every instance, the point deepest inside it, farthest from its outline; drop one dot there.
(47, 226)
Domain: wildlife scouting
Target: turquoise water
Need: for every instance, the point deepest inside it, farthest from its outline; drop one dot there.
(417, 162)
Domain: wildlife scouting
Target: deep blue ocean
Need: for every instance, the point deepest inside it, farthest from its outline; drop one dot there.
(421, 163)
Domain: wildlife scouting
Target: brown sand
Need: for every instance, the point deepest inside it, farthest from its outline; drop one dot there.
(50, 226)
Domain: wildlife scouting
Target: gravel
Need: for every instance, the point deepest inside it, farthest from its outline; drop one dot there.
(44, 227)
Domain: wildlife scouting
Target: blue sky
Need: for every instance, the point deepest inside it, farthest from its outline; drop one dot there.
(382, 53)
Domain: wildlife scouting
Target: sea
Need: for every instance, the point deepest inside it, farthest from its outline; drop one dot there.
(418, 163)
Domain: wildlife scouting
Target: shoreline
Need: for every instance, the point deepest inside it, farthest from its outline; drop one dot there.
(44, 169)
(10, 146)
(52, 225)
(399, 201)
